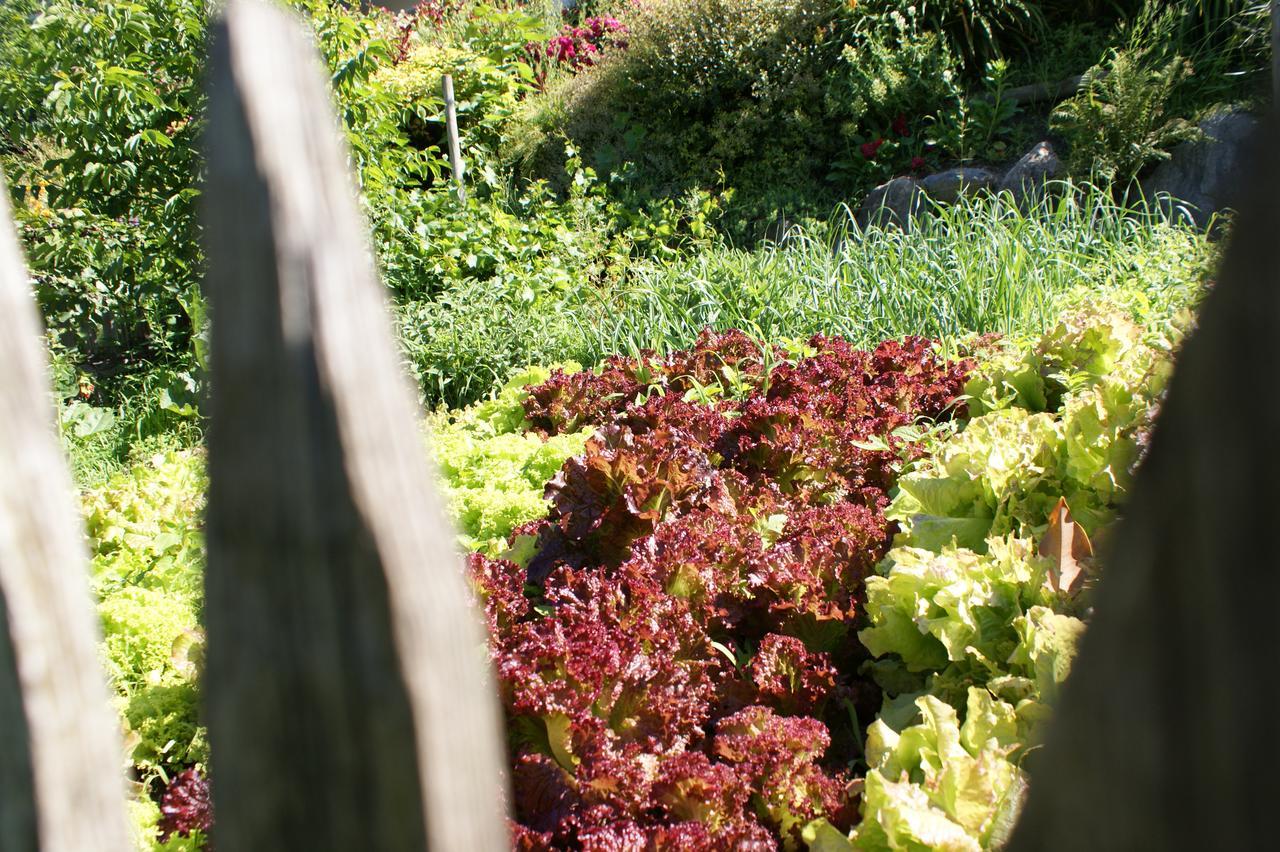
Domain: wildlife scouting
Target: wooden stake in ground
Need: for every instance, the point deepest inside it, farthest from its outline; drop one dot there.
(349, 699)
(61, 754)
(455, 148)
(1164, 737)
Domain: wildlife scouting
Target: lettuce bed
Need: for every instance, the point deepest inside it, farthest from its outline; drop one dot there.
(741, 595)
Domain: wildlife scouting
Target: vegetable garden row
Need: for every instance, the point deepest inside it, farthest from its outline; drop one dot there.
(745, 595)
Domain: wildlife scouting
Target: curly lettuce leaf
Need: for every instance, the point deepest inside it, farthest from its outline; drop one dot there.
(939, 784)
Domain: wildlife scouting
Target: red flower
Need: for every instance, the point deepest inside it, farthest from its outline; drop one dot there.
(917, 163)
(869, 149)
(900, 125)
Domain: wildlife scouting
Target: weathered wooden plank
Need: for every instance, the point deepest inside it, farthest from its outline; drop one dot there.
(1164, 738)
(349, 698)
(61, 780)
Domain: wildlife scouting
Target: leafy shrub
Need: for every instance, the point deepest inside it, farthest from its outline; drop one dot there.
(977, 30)
(522, 241)
(727, 75)
(893, 72)
(1119, 122)
(101, 109)
(487, 88)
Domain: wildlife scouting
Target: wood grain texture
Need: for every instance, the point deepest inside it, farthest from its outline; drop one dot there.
(61, 779)
(349, 697)
(1164, 737)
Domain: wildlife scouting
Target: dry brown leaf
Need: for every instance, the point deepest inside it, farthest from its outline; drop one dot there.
(1066, 544)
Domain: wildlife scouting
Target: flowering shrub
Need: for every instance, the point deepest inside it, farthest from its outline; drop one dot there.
(673, 641)
(431, 13)
(578, 47)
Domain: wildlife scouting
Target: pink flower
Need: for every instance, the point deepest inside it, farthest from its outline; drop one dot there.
(917, 163)
(900, 125)
(575, 46)
(869, 149)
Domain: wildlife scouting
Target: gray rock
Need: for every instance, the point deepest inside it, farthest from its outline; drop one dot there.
(892, 203)
(1203, 177)
(1025, 180)
(947, 187)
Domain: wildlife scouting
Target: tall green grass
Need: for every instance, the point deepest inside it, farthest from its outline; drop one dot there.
(981, 265)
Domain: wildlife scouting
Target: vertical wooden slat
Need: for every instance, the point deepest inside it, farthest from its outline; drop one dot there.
(348, 692)
(61, 781)
(1165, 736)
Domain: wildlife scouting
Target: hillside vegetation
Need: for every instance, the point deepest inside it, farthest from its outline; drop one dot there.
(765, 507)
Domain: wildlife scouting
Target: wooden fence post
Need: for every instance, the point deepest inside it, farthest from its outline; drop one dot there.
(1165, 734)
(61, 753)
(348, 691)
(451, 127)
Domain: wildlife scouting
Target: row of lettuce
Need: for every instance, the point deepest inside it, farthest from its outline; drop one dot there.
(800, 595)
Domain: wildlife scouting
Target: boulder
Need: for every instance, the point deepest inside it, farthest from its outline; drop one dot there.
(1025, 180)
(1203, 177)
(892, 203)
(948, 187)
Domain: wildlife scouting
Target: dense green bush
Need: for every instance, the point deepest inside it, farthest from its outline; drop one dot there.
(518, 241)
(99, 138)
(977, 30)
(793, 106)
(894, 72)
(100, 107)
(1120, 121)
(706, 93)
